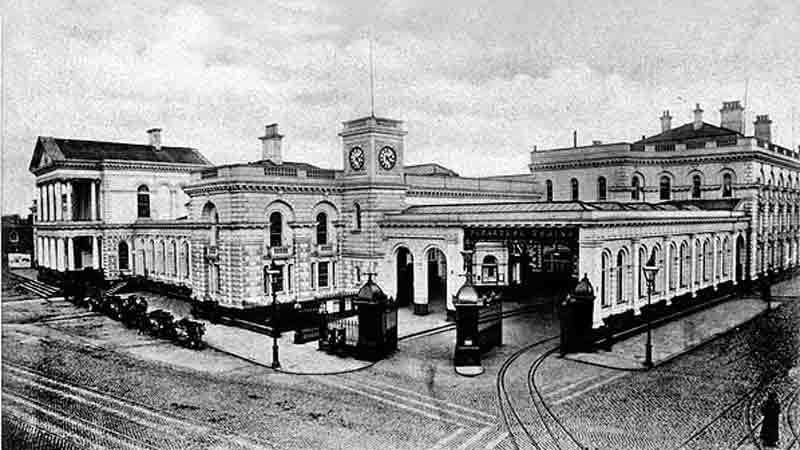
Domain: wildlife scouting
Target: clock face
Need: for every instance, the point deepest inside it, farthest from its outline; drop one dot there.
(356, 158)
(387, 157)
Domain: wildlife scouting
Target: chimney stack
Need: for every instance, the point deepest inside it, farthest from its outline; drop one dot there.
(155, 137)
(732, 116)
(666, 121)
(763, 128)
(271, 144)
(698, 117)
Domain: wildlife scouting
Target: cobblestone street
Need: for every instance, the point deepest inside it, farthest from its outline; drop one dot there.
(131, 389)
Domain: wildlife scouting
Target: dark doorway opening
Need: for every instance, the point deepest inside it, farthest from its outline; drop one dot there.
(405, 277)
(437, 280)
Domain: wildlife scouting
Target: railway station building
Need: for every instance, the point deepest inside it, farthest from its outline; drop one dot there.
(715, 207)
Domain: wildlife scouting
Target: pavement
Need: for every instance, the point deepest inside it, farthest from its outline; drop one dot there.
(678, 336)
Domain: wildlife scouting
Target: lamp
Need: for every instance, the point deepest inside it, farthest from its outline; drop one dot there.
(271, 273)
(650, 270)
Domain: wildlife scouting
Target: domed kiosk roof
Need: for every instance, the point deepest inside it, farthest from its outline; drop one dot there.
(371, 292)
(583, 288)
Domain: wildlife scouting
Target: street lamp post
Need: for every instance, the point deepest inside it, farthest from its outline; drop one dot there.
(650, 270)
(275, 332)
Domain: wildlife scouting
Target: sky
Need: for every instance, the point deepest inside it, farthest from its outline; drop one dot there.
(479, 83)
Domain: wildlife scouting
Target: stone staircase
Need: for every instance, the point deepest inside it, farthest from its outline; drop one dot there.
(37, 288)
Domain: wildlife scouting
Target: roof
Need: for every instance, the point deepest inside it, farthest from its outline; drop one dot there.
(59, 149)
(687, 132)
(430, 169)
(527, 207)
(296, 165)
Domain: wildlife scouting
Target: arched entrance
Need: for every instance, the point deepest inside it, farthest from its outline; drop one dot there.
(437, 280)
(557, 262)
(741, 259)
(405, 277)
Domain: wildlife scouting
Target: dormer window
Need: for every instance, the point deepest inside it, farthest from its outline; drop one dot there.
(143, 202)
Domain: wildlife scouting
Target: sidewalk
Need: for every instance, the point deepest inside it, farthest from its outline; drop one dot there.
(676, 338)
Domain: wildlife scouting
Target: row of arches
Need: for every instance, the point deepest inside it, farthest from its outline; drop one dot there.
(685, 265)
(169, 258)
(435, 277)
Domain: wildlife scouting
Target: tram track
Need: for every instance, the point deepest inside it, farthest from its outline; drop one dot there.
(97, 416)
(544, 411)
(506, 406)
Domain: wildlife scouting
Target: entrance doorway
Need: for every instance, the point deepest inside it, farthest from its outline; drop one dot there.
(437, 280)
(405, 277)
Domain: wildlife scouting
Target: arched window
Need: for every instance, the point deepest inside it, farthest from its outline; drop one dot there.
(275, 229)
(636, 187)
(620, 269)
(684, 265)
(186, 260)
(604, 270)
(162, 258)
(655, 255)
(696, 183)
(173, 261)
(674, 267)
(357, 215)
(601, 189)
(549, 190)
(210, 215)
(143, 201)
(122, 255)
(322, 228)
(573, 183)
(727, 185)
(642, 280)
(489, 269)
(664, 188)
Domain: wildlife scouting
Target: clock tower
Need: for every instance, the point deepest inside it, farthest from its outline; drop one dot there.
(373, 185)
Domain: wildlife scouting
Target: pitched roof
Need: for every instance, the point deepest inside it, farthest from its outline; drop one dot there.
(76, 149)
(430, 169)
(687, 132)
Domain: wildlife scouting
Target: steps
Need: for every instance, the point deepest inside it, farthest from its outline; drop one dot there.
(116, 287)
(38, 288)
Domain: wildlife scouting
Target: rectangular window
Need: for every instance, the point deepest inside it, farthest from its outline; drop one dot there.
(333, 274)
(277, 279)
(289, 277)
(323, 274)
(313, 275)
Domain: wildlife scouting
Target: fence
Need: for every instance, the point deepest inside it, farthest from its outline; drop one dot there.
(339, 334)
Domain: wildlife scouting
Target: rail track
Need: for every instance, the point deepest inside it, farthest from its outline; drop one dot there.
(97, 419)
(510, 415)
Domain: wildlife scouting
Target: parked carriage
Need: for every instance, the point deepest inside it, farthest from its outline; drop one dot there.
(161, 324)
(190, 333)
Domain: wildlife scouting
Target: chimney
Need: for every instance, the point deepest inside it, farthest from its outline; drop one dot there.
(763, 129)
(155, 137)
(731, 116)
(597, 142)
(271, 144)
(666, 121)
(698, 117)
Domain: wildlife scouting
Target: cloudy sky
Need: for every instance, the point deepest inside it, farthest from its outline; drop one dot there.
(478, 82)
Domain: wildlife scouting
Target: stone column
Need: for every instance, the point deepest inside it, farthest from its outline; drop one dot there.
(59, 206)
(715, 265)
(92, 201)
(60, 254)
(734, 260)
(52, 253)
(48, 191)
(95, 253)
(420, 288)
(69, 202)
(52, 188)
(70, 253)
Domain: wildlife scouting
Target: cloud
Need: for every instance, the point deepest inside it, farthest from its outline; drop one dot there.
(478, 83)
